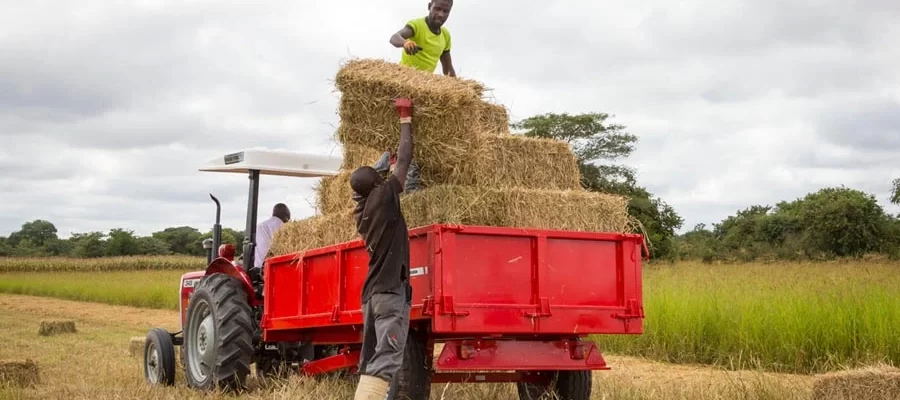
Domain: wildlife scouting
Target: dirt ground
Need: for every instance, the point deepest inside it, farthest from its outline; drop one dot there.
(95, 363)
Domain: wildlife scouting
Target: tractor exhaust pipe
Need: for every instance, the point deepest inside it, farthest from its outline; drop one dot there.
(217, 228)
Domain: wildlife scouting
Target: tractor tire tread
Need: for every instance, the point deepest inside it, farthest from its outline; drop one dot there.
(235, 330)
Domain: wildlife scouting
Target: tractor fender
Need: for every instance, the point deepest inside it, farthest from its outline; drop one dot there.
(221, 265)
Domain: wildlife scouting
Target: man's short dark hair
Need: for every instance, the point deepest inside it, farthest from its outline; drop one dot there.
(281, 211)
(363, 180)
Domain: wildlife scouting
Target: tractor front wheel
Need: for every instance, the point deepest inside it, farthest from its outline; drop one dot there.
(218, 335)
(159, 358)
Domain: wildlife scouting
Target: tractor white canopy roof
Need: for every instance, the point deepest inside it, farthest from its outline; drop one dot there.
(275, 162)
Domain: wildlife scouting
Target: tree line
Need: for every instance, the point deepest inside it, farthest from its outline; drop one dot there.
(39, 238)
(829, 223)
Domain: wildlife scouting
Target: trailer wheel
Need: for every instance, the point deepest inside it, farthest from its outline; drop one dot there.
(413, 380)
(159, 358)
(218, 334)
(566, 385)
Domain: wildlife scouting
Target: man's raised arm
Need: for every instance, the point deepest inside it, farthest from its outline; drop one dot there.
(404, 150)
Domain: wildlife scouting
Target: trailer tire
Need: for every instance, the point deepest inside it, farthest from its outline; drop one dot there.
(218, 333)
(566, 385)
(413, 380)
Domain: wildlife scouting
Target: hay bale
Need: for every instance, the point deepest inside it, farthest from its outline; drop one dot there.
(577, 210)
(49, 328)
(493, 118)
(529, 163)
(436, 157)
(356, 156)
(19, 373)
(514, 207)
(445, 109)
(873, 383)
(136, 346)
(313, 232)
(501, 161)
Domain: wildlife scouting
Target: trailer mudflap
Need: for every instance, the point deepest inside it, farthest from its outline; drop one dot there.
(520, 355)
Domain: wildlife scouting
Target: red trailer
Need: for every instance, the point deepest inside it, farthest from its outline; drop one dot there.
(508, 305)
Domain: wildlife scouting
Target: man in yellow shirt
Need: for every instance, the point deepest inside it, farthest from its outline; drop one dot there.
(425, 40)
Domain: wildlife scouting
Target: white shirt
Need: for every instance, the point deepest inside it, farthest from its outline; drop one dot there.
(264, 232)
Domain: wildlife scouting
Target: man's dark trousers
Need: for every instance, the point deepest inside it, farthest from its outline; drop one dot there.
(385, 322)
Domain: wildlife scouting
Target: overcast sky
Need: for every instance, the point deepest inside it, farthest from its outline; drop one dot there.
(107, 108)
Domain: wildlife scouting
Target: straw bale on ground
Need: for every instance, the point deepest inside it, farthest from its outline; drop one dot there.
(49, 328)
(873, 383)
(445, 109)
(136, 346)
(19, 373)
(577, 210)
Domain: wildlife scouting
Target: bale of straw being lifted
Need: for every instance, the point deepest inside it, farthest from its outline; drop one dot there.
(873, 383)
(445, 109)
(577, 210)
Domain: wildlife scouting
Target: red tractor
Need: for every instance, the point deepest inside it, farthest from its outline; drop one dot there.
(507, 305)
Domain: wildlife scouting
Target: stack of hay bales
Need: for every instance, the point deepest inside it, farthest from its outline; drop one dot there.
(474, 171)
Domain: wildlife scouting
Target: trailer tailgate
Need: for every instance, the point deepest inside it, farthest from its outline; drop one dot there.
(508, 281)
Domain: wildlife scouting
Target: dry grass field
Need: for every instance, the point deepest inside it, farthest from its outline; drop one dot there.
(94, 363)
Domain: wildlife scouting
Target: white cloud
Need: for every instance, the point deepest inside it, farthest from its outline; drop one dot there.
(108, 108)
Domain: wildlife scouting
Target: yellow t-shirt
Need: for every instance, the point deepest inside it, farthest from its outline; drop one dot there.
(432, 46)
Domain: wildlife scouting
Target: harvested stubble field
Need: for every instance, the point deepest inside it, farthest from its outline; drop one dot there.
(95, 364)
(787, 317)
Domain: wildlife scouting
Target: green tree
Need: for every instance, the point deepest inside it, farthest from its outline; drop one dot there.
(122, 243)
(37, 232)
(5, 248)
(895, 191)
(152, 246)
(597, 146)
(88, 245)
(182, 240)
(839, 222)
(57, 247)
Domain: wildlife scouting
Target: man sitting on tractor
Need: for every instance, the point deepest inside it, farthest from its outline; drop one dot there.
(386, 292)
(281, 214)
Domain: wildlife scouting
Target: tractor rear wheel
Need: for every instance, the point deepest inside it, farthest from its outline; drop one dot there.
(159, 358)
(218, 335)
(566, 385)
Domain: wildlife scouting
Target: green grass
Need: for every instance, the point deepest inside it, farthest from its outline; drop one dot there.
(60, 264)
(803, 318)
(148, 289)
